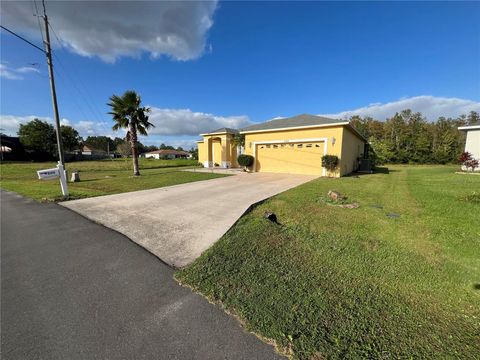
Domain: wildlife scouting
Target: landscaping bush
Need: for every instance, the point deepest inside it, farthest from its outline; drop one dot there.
(467, 160)
(245, 160)
(330, 162)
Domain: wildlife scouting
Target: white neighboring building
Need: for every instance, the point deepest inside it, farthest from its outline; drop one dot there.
(168, 154)
(472, 145)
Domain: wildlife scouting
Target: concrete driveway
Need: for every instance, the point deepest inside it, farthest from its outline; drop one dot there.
(177, 223)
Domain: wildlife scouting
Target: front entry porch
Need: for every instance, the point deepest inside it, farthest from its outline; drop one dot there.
(218, 149)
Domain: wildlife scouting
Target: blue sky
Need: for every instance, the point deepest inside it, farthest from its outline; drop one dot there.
(245, 61)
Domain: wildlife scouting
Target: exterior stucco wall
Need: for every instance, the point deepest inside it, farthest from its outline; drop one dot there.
(300, 134)
(217, 151)
(472, 144)
(352, 149)
(202, 153)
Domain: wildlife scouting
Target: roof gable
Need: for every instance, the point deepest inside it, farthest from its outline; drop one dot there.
(222, 131)
(295, 121)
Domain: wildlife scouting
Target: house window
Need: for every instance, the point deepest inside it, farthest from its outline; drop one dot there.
(268, 146)
(300, 146)
(275, 146)
(309, 145)
(316, 145)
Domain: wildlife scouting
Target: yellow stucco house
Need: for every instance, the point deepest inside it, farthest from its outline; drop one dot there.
(289, 145)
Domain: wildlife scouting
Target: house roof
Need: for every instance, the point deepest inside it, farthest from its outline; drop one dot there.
(168, 152)
(472, 126)
(294, 121)
(222, 131)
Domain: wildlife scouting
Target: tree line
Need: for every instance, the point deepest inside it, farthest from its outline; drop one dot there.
(40, 143)
(407, 137)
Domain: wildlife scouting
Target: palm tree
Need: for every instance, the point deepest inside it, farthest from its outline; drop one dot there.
(128, 114)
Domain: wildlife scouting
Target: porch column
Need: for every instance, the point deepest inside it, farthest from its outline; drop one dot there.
(208, 145)
(225, 152)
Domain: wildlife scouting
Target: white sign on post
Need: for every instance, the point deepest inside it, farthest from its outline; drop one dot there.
(58, 172)
(48, 174)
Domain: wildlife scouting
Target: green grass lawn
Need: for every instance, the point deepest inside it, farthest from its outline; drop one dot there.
(101, 177)
(331, 282)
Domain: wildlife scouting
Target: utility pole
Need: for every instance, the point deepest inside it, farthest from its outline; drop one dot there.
(48, 52)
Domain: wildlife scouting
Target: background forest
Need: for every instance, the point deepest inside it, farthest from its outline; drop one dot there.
(407, 137)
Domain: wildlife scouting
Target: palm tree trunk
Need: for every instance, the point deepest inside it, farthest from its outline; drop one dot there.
(133, 143)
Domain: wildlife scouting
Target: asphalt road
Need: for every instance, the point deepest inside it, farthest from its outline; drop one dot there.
(73, 289)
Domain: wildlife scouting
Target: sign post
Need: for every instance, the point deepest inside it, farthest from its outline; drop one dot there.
(58, 172)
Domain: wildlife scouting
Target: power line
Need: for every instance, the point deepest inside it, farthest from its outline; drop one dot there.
(80, 87)
(38, 20)
(22, 38)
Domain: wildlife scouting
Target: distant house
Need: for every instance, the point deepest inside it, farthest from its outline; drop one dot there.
(168, 154)
(90, 153)
(472, 144)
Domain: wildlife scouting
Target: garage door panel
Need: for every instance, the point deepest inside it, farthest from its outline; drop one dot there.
(297, 158)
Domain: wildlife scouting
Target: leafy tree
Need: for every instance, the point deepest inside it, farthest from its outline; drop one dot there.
(383, 153)
(124, 149)
(194, 152)
(71, 140)
(100, 143)
(39, 139)
(166, 147)
(150, 148)
(473, 117)
(239, 140)
(444, 141)
(117, 141)
(128, 113)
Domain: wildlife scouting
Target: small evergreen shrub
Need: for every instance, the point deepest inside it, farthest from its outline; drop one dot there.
(330, 162)
(245, 160)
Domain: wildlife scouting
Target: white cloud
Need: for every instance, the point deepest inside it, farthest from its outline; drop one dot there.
(431, 107)
(27, 69)
(11, 73)
(111, 29)
(187, 122)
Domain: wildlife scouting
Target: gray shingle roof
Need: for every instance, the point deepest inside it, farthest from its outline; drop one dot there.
(223, 130)
(299, 120)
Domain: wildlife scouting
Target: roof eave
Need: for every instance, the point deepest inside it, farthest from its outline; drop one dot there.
(340, 123)
(469, 127)
(218, 133)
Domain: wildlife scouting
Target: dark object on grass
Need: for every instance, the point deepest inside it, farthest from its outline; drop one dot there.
(75, 176)
(393, 215)
(271, 216)
(336, 196)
